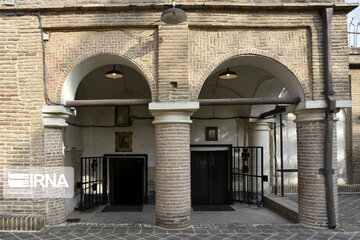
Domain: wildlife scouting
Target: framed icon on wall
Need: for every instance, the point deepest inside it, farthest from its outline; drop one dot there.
(211, 133)
(123, 141)
(122, 116)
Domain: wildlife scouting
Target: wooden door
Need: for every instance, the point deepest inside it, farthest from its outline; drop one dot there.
(209, 177)
(126, 181)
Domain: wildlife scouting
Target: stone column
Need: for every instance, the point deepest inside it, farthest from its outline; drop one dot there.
(54, 120)
(259, 136)
(172, 166)
(310, 126)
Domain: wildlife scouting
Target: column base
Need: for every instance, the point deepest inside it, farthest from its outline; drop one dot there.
(174, 221)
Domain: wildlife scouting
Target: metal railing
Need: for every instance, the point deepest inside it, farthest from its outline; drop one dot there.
(353, 33)
(93, 182)
(248, 175)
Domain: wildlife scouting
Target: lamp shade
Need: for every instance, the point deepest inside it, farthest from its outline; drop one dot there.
(114, 74)
(228, 74)
(173, 16)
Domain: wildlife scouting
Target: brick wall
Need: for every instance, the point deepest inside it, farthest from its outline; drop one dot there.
(210, 47)
(295, 42)
(173, 62)
(65, 50)
(21, 99)
(172, 175)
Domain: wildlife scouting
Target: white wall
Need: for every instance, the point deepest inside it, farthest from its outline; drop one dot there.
(289, 148)
(341, 147)
(229, 131)
(97, 141)
(100, 141)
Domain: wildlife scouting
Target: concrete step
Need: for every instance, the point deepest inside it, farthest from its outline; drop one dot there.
(285, 207)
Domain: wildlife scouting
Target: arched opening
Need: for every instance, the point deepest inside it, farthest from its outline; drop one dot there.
(77, 74)
(110, 147)
(244, 139)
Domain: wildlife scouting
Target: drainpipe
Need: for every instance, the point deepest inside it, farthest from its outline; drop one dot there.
(328, 170)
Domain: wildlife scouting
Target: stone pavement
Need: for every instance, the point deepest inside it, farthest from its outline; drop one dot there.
(243, 214)
(208, 231)
(349, 209)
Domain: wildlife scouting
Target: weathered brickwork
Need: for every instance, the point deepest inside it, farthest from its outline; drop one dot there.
(340, 58)
(355, 111)
(54, 150)
(65, 50)
(172, 175)
(210, 47)
(295, 42)
(21, 99)
(311, 186)
(173, 60)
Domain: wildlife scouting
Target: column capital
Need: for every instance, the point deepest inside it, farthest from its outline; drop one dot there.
(173, 112)
(55, 116)
(310, 115)
(259, 126)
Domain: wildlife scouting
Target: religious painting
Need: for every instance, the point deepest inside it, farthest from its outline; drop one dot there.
(123, 142)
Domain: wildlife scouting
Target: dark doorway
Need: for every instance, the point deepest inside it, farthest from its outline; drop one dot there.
(210, 175)
(127, 179)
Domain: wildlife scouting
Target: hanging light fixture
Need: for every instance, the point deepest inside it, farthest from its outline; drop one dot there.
(173, 15)
(114, 74)
(228, 74)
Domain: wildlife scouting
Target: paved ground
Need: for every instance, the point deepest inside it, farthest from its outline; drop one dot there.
(349, 218)
(349, 211)
(231, 231)
(253, 215)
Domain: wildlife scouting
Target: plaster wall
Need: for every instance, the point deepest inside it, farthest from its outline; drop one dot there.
(341, 149)
(355, 125)
(289, 149)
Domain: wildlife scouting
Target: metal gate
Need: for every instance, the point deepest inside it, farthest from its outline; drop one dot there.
(248, 175)
(93, 182)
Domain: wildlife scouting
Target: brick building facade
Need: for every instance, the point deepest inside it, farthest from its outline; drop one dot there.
(284, 39)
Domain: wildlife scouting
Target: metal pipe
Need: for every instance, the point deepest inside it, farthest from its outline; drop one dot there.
(262, 175)
(203, 102)
(281, 156)
(107, 102)
(275, 158)
(329, 118)
(248, 101)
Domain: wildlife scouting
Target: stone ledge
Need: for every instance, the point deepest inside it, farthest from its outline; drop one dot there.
(283, 206)
(347, 7)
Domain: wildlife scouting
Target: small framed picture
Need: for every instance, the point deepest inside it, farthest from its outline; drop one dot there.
(211, 133)
(122, 116)
(123, 142)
